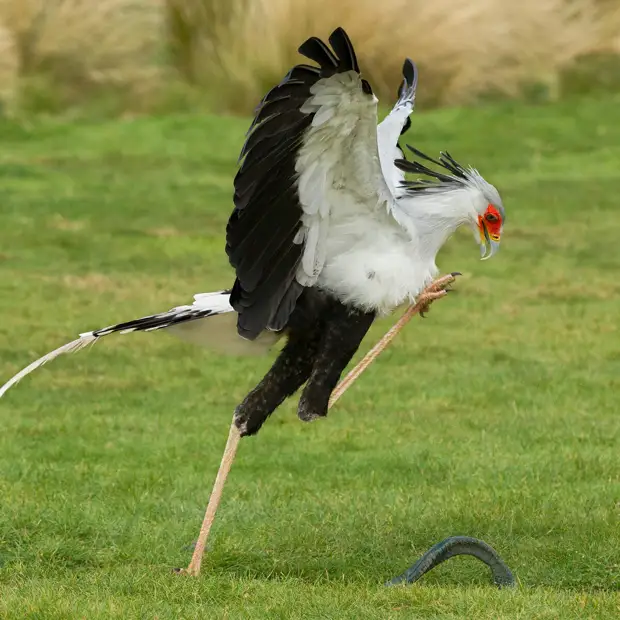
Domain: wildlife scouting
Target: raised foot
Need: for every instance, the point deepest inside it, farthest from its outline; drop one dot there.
(435, 290)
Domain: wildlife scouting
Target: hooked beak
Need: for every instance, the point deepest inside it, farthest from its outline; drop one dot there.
(489, 243)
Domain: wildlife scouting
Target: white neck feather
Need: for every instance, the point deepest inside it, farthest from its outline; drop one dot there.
(430, 219)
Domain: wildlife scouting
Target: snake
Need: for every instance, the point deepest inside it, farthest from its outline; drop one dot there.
(459, 545)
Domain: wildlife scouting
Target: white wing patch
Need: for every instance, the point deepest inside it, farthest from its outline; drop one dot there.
(338, 164)
(388, 133)
(389, 130)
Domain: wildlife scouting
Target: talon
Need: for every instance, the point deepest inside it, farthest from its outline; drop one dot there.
(435, 290)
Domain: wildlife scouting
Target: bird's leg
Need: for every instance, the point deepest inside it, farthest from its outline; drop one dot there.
(343, 331)
(435, 290)
(288, 373)
(291, 368)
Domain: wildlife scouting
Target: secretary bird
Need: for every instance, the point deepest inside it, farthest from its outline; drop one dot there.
(326, 234)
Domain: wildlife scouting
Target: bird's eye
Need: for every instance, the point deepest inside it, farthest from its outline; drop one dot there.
(490, 217)
(366, 87)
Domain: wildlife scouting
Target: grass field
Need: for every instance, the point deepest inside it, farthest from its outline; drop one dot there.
(497, 417)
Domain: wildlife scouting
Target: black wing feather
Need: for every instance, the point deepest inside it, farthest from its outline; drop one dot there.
(263, 164)
(316, 50)
(342, 45)
(275, 124)
(253, 256)
(409, 71)
(303, 71)
(267, 215)
(279, 105)
(281, 316)
(275, 286)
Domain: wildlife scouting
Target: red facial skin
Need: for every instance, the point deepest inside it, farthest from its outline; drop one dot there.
(492, 221)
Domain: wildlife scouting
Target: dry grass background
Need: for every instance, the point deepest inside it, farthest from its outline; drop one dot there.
(142, 54)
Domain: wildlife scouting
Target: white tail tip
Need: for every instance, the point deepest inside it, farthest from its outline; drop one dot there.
(83, 341)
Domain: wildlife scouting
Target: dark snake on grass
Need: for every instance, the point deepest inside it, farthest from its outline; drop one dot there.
(459, 545)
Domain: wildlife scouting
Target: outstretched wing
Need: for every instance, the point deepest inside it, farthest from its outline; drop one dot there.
(311, 151)
(394, 125)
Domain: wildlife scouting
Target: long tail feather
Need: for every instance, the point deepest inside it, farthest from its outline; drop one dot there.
(219, 333)
(83, 341)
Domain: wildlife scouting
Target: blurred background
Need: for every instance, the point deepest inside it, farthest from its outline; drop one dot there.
(154, 56)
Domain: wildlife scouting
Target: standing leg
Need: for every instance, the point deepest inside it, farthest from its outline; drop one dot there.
(343, 331)
(338, 322)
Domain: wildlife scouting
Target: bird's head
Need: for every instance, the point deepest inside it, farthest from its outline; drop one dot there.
(487, 221)
(461, 192)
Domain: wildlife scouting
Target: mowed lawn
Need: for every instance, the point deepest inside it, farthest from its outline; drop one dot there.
(496, 417)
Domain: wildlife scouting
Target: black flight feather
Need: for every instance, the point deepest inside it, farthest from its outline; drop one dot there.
(282, 314)
(409, 71)
(280, 105)
(256, 216)
(267, 215)
(341, 43)
(274, 286)
(260, 269)
(302, 72)
(259, 167)
(316, 50)
(260, 247)
(274, 124)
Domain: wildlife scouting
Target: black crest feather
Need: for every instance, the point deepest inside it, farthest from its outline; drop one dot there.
(454, 174)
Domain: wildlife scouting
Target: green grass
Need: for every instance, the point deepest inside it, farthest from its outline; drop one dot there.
(496, 417)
